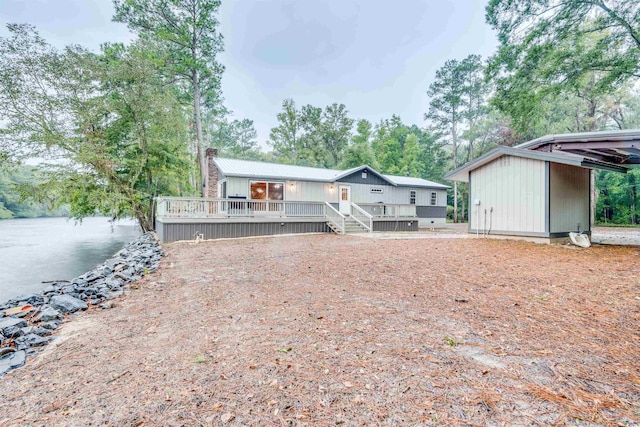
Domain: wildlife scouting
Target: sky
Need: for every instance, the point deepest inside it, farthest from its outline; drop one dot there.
(378, 57)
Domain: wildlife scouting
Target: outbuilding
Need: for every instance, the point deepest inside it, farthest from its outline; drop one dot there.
(542, 189)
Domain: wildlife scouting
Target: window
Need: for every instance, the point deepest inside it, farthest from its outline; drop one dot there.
(267, 190)
(364, 175)
(412, 197)
(434, 198)
(223, 192)
(259, 190)
(344, 194)
(377, 190)
(275, 191)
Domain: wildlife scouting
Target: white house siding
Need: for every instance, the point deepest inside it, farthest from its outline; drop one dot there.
(515, 188)
(360, 193)
(569, 198)
(307, 191)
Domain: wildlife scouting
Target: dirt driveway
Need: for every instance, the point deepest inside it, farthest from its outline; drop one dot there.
(325, 330)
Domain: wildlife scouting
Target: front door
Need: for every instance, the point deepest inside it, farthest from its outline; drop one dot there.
(345, 199)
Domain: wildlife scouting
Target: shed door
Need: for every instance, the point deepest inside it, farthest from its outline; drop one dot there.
(345, 199)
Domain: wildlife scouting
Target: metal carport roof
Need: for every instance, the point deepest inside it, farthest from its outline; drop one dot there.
(620, 147)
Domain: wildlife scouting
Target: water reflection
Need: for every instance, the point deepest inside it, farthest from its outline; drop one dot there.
(43, 249)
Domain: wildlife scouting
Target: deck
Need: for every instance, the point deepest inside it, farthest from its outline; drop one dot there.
(188, 218)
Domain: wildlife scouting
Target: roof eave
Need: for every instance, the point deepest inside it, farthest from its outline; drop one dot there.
(281, 178)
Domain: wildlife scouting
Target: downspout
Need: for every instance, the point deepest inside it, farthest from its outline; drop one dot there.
(490, 219)
(478, 220)
(484, 226)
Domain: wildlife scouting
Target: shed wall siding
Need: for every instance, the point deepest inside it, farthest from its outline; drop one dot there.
(514, 188)
(569, 198)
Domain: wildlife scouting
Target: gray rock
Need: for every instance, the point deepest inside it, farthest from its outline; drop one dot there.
(7, 322)
(47, 314)
(123, 275)
(33, 340)
(106, 305)
(11, 359)
(114, 262)
(36, 330)
(67, 303)
(67, 289)
(12, 332)
(34, 300)
(114, 283)
(51, 325)
(50, 290)
(93, 276)
(80, 282)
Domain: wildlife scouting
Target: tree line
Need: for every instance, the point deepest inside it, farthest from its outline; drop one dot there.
(114, 129)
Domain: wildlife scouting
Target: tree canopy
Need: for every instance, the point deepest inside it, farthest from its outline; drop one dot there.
(188, 31)
(110, 132)
(550, 46)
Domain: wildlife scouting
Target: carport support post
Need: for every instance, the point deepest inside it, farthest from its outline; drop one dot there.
(593, 200)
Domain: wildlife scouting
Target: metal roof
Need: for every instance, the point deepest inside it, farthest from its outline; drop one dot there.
(620, 147)
(252, 169)
(408, 181)
(461, 174)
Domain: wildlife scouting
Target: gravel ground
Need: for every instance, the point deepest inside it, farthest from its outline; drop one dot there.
(326, 330)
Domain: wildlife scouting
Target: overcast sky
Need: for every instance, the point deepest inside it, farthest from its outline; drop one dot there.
(377, 57)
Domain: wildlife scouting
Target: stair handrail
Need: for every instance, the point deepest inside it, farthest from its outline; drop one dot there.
(368, 218)
(334, 217)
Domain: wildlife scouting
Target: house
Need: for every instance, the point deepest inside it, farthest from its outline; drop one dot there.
(248, 198)
(541, 190)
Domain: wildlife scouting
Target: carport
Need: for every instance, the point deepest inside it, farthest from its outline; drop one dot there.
(617, 149)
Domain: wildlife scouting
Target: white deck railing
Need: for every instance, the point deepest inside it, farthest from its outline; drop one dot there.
(379, 210)
(334, 217)
(202, 208)
(362, 216)
(197, 207)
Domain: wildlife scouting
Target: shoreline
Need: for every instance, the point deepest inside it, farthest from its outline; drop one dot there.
(28, 322)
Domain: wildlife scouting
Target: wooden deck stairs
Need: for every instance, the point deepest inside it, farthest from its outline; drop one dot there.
(351, 226)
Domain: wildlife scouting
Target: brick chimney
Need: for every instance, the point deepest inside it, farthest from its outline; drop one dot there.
(211, 188)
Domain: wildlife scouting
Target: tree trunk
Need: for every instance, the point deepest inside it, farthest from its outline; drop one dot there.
(633, 187)
(454, 142)
(463, 203)
(198, 123)
(145, 221)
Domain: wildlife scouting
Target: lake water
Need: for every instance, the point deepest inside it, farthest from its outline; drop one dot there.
(42, 249)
